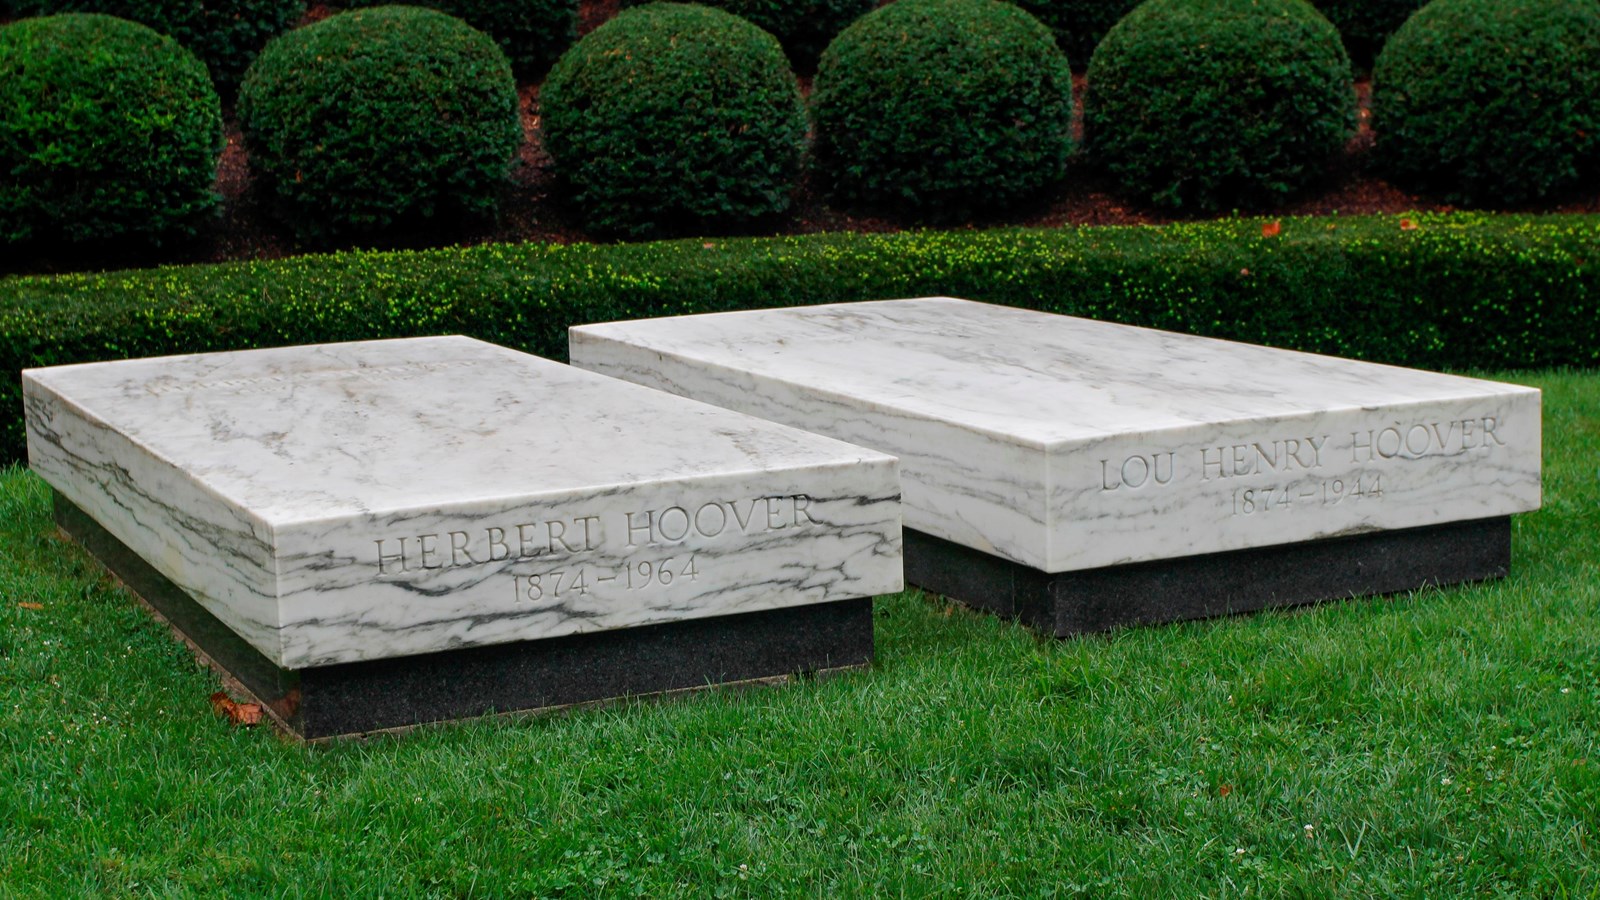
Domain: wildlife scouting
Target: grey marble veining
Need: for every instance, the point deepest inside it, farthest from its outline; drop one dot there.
(1067, 444)
(346, 502)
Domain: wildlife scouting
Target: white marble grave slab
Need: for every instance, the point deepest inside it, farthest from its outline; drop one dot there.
(347, 502)
(1067, 444)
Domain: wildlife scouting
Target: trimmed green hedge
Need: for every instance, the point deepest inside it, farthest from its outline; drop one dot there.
(1491, 102)
(803, 27)
(1218, 104)
(108, 131)
(1080, 25)
(533, 33)
(225, 34)
(1453, 291)
(936, 110)
(378, 119)
(1365, 25)
(672, 119)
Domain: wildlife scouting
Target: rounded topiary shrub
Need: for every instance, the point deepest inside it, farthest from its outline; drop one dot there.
(1366, 24)
(803, 27)
(225, 34)
(1207, 104)
(107, 130)
(1491, 102)
(1078, 24)
(671, 118)
(533, 33)
(939, 109)
(378, 117)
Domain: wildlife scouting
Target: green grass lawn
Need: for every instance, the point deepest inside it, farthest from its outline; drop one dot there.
(1444, 743)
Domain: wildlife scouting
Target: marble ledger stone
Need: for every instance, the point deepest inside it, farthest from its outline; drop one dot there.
(1067, 445)
(342, 503)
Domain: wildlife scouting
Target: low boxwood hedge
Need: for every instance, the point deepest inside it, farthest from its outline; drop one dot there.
(1439, 291)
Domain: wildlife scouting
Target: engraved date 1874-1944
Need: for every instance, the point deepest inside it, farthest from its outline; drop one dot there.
(1330, 492)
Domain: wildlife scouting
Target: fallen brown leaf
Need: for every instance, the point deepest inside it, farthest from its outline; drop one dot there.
(26, 605)
(236, 713)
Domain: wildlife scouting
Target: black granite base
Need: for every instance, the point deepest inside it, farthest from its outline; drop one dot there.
(353, 698)
(1217, 584)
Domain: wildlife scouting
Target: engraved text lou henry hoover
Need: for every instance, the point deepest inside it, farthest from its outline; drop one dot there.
(1284, 455)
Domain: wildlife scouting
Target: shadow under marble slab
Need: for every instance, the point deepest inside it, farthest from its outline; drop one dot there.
(363, 697)
(1217, 584)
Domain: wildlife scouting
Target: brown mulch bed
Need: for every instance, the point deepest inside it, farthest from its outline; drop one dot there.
(530, 212)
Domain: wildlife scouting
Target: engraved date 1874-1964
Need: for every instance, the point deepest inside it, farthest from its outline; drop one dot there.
(635, 575)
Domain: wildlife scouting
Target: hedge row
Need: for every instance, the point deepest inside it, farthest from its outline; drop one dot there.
(1441, 291)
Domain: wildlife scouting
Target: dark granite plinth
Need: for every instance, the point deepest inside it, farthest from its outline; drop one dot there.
(1195, 587)
(370, 696)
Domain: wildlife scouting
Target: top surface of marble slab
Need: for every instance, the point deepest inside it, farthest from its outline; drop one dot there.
(1067, 444)
(325, 431)
(1031, 377)
(345, 502)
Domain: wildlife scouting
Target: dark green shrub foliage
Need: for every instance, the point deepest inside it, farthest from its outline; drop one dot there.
(1491, 102)
(533, 33)
(1456, 291)
(1078, 24)
(803, 27)
(940, 108)
(1366, 24)
(673, 117)
(225, 34)
(380, 117)
(1207, 104)
(107, 130)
